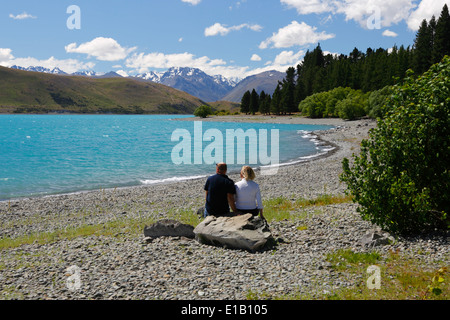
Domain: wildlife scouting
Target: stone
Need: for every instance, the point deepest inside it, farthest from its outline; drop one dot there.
(376, 238)
(169, 228)
(245, 232)
(201, 211)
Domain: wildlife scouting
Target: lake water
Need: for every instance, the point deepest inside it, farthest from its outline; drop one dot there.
(53, 154)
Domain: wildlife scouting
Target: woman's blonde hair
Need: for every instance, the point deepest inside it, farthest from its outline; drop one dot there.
(248, 173)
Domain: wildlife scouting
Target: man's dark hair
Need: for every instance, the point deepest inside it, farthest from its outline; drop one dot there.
(221, 167)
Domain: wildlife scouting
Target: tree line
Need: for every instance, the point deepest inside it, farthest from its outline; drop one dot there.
(363, 72)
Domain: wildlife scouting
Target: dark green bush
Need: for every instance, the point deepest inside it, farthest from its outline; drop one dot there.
(376, 102)
(203, 111)
(401, 179)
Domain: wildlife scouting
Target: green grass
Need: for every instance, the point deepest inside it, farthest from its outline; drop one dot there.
(402, 278)
(281, 208)
(341, 259)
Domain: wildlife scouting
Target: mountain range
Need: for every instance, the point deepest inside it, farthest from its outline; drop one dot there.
(43, 92)
(192, 81)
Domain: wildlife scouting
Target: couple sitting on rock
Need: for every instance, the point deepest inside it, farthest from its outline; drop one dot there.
(222, 193)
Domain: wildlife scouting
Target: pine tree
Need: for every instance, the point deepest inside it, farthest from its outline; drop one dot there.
(262, 97)
(276, 99)
(254, 102)
(288, 92)
(422, 48)
(442, 36)
(245, 102)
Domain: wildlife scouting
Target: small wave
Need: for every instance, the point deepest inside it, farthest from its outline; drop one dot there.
(169, 180)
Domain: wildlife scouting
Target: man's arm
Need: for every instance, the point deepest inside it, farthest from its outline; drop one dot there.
(231, 202)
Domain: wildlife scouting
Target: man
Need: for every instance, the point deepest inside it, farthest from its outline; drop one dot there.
(220, 191)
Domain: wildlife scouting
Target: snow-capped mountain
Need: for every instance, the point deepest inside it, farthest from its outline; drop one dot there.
(40, 69)
(151, 76)
(193, 81)
(86, 73)
(232, 82)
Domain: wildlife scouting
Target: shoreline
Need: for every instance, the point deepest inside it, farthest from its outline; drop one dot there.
(115, 261)
(308, 179)
(233, 118)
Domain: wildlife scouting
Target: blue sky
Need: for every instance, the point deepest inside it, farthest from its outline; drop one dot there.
(228, 37)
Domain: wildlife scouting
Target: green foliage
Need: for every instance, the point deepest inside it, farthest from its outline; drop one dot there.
(340, 102)
(203, 111)
(376, 102)
(401, 179)
(437, 282)
(315, 106)
(352, 107)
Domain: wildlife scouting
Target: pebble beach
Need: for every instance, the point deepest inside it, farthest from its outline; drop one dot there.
(125, 265)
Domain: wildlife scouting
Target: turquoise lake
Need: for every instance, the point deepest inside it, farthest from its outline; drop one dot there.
(53, 154)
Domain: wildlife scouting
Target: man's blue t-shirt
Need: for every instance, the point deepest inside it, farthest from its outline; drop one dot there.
(218, 187)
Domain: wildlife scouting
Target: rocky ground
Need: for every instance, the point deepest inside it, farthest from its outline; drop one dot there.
(126, 266)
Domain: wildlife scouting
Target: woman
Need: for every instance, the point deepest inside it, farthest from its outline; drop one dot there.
(248, 195)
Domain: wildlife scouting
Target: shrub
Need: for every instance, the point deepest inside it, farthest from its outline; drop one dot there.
(336, 95)
(203, 111)
(376, 102)
(352, 107)
(340, 102)
(401, 179)
(315, 105)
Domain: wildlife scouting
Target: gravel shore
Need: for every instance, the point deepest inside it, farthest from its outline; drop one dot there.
(125, 266)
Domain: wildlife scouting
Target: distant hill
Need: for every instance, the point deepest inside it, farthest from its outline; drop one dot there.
(38, 92)
(231, 107)
(266, 81)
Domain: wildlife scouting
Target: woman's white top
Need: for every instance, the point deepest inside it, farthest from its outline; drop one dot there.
(248, 195)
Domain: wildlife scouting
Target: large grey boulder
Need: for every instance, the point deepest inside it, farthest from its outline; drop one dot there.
(169, 228)
(240, 232)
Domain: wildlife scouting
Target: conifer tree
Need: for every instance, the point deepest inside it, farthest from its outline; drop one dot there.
(422, 48)
(245, 102)
(276, 99)
(442, 36)
(254, 102)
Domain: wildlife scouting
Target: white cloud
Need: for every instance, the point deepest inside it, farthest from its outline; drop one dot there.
(289, 58)
(5, 55)
(255, 57)
(309, 6)
(389, 33)
(22, 16)
(386, 12)
(216, 29)
(104, 49)
(193, 2)
(223, 30)
(295, 34)
(122, 73)
(425, 10)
